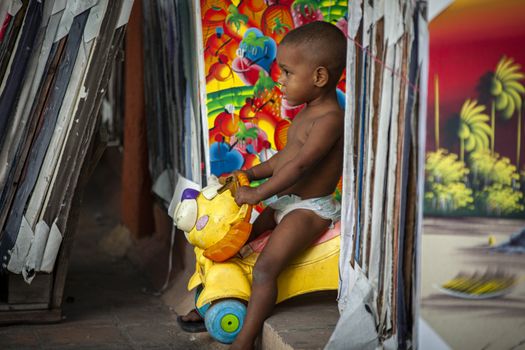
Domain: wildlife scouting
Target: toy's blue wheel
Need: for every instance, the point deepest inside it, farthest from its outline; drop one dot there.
(204, 308)
(224, 320)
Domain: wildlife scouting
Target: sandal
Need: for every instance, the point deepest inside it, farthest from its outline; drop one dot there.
(191, 326)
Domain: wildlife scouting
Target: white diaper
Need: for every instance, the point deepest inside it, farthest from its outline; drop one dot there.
(326, 207)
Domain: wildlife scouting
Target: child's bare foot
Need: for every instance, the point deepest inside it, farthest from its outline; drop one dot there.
(192, 316)
(192, 322)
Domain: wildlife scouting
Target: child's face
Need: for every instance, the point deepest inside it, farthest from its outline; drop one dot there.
(296, 77)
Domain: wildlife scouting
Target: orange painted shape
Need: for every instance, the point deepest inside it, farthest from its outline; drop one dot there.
(281, 134)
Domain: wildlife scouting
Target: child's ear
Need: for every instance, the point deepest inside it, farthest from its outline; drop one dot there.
(321, 76)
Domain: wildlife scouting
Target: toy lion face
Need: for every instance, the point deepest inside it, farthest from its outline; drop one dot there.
(207, 216)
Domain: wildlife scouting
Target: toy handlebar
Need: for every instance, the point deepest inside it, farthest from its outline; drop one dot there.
(242, 178)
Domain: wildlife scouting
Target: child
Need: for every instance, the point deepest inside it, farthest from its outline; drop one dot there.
(303, 175)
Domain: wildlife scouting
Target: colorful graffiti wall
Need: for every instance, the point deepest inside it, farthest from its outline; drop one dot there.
(247, 120)
(475, 161)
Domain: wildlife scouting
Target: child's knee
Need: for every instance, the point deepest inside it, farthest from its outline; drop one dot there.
(264, 272)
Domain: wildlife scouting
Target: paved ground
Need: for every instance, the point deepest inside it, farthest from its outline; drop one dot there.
(105, 306)
(305, 322)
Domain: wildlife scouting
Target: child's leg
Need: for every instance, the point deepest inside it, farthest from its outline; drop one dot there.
(264, 222)
(293, 234)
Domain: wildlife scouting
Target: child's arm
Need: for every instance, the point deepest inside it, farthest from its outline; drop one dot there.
(263, 170)
(323, 135)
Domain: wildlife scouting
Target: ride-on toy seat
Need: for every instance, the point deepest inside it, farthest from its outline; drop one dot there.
(219, 229)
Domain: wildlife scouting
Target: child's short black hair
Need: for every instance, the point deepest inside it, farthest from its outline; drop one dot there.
(325, 42)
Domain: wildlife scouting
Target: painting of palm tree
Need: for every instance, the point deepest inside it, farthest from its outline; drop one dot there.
(507, 91)
(474, 132)
(476, 111)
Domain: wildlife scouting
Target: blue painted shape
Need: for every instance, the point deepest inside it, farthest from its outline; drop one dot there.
(263, 56)
(224, 160)
(341, 98)
(219, 31)
(250, 149)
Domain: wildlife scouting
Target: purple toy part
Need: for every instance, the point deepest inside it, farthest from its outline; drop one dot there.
(201, 222)
(189, 193)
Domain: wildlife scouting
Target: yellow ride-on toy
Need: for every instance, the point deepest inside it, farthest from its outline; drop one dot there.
(218, 229)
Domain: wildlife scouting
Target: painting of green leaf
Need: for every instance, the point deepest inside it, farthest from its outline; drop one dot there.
(506, 87)
(474, 132)
(508, 92)
(445, 187)
(245, 133)
(235, 18)
(333, 9)
(235, 96)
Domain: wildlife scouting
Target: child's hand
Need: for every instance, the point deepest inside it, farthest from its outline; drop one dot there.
(247, 195)
(223, 180)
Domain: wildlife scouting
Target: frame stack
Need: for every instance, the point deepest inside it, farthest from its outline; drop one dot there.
(55, 63)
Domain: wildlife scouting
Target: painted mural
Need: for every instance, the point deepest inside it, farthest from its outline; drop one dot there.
(475, 161)
(473, 244)
(247, 119)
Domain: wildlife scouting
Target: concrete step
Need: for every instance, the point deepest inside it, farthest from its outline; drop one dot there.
(304, 322)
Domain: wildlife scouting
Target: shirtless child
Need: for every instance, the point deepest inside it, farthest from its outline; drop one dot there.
(303, 175)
